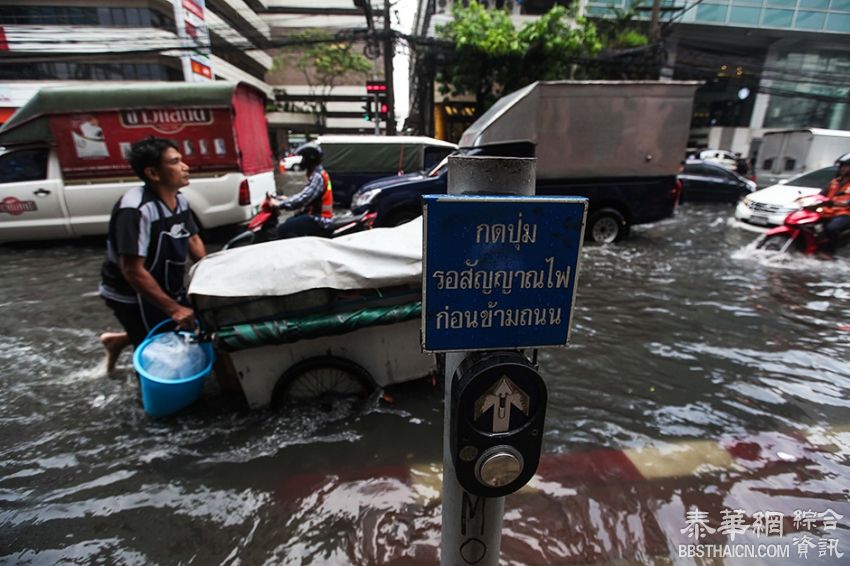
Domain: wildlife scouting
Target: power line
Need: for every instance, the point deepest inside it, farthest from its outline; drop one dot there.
(153, 46)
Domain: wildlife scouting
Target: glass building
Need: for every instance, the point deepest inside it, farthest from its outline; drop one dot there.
(766, 63)
(804, 15)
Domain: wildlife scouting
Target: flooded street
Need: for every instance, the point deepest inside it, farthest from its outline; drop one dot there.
(706, 392)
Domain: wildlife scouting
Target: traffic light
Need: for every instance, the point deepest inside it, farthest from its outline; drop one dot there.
(378, 90)
(367, 111)
(376, 87)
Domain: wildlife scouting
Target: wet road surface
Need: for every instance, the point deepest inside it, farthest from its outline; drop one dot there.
(701, 416)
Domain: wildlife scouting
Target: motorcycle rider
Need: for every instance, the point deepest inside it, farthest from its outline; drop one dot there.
(315, 201)
(838, 192)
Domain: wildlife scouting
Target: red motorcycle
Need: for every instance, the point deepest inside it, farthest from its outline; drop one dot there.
(802, 230)
(263, 227)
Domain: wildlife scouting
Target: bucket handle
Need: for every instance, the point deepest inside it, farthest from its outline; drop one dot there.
(157, 327)
(162, 323)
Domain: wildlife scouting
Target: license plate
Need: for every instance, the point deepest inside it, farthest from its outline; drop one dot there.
(758, 219)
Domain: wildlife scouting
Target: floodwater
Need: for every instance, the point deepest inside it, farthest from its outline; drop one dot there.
(700, 416)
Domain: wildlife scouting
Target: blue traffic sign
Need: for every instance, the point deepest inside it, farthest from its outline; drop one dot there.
(499, 271)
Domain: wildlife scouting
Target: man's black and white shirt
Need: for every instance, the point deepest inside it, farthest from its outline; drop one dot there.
(136, 227)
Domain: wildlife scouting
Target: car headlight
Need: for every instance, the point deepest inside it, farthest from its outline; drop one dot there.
(364, 198)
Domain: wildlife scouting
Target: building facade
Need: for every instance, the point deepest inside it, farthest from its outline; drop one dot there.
(51, 42)
(297, 93)
(765, 64)
(58, 42)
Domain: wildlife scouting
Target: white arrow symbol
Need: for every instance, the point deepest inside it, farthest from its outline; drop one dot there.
(500, 397)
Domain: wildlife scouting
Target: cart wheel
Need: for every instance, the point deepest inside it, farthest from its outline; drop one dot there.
(320, 377)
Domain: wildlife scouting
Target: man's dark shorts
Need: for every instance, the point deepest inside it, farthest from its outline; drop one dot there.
(130, 317)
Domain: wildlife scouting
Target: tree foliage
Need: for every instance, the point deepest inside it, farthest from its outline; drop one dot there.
(620, 32)
(553, 44)
(491, 57)
(324, 64)
(487, 52)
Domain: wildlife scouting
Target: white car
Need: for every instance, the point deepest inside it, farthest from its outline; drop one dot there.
(769, 207)
(290, 163)
(723, 158)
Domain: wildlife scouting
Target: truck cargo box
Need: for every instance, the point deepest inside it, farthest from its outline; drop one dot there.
(593, 129)
(218, 126)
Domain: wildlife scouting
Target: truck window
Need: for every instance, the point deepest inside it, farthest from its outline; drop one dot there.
(23, 165)
(704, 170)
(694, 169)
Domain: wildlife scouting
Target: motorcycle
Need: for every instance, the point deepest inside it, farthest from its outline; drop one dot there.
(803, 229)
(263, 226)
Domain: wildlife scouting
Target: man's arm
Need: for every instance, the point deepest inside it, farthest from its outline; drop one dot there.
(829, 187)
(311, 191)
(133, 269)
(197, 250)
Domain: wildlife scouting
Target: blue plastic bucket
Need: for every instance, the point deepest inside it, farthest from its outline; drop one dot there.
(162, 397)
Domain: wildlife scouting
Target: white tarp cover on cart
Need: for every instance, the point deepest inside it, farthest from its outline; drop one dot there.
(382, 257)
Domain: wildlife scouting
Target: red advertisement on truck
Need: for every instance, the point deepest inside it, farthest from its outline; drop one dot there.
(97, 143)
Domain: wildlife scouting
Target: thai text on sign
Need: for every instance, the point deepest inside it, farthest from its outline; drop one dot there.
(499, 272)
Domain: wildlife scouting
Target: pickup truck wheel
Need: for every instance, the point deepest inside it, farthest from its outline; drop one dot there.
(401, 217)
(323, 376)
(607, 226)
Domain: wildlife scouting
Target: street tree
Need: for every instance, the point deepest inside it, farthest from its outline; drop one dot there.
(554, 43)
(490, 57)
(486, 53)
(324, 64)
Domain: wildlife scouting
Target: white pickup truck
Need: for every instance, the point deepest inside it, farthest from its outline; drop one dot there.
(63, 166)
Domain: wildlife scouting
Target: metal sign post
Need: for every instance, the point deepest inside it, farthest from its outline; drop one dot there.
(377, 114)
(499, 275)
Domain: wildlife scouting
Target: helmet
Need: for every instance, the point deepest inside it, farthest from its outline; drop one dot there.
(843, 160)
(311, 155)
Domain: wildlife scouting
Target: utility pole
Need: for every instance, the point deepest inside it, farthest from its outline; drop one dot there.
(389, 53)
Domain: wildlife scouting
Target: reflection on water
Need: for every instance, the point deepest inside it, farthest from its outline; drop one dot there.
(705, 380)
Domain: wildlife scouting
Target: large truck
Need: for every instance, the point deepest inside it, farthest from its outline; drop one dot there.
(63, 155)
(787, 153)
(619, 143)
(353, 161)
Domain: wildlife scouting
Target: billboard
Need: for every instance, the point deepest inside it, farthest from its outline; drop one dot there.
(97, 143)
(190, 17)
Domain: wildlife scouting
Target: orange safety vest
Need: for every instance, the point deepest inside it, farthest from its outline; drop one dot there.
(838, 192)
(323, 206)
(327, 196)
